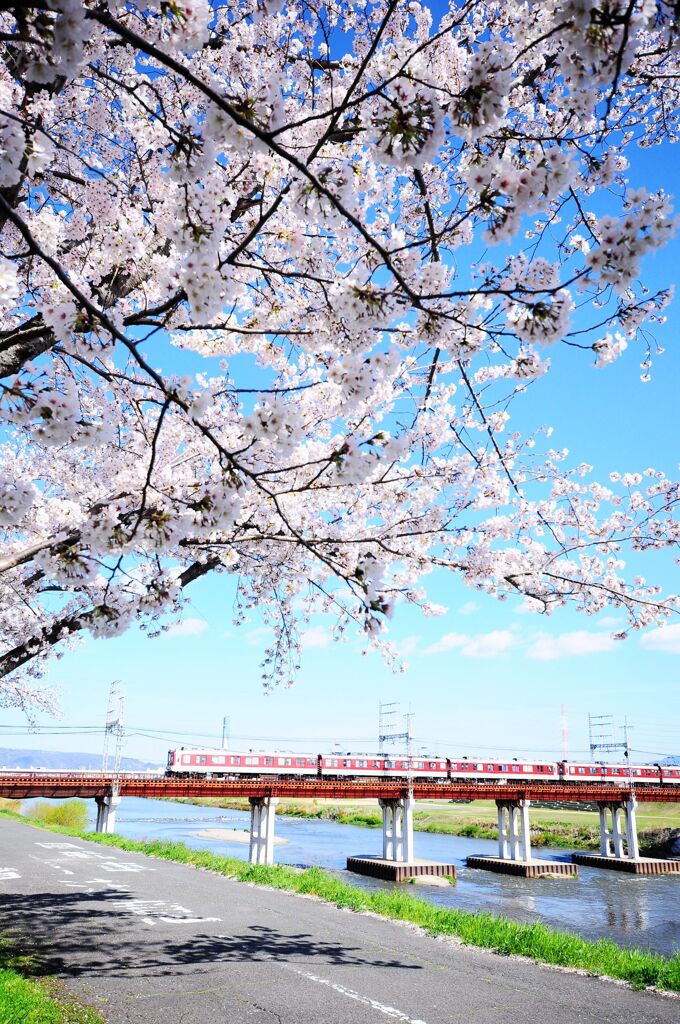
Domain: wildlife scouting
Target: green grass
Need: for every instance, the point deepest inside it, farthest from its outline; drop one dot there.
(25, 1000)
(536, 941)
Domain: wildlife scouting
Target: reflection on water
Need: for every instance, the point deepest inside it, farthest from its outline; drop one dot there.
(633, 910)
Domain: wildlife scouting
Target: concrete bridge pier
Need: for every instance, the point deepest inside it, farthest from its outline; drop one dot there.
(398, 829)
(262, 815)
(514, 835)
(618, 829)
(106, 812)
(514, 846)
(619, 847)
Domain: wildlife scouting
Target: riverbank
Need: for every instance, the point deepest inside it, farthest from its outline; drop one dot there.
(534, 941)
(658, 824)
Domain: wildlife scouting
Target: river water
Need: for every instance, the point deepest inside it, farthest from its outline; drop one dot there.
(633, 910)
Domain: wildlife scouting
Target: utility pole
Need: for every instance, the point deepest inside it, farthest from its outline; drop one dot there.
(225, 732)
(114, 733)
(564, 732)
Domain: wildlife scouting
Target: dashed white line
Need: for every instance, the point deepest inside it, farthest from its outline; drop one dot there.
(349, 993)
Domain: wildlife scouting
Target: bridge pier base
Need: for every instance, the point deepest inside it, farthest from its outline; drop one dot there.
(514, 846)
(262, 815)
(106, 812)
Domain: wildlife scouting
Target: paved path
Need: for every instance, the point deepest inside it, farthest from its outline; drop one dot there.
(150, 942)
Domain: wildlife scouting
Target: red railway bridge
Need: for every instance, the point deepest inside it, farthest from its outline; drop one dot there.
(26, 785)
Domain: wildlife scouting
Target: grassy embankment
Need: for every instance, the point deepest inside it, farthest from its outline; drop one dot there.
(535, 941)
(569, 828)
(26, 999)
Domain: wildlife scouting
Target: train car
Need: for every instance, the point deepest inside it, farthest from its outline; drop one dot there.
(504, 771)
(620, 774)
(232, 763)
(341, 766)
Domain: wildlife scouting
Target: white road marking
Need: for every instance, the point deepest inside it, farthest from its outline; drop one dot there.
(116, 865)
(57, 846)
(92, 885)
(152, 911)
(7, 873)
(388, 1011)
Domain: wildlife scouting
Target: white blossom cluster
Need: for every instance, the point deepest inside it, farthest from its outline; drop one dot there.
(271, 285)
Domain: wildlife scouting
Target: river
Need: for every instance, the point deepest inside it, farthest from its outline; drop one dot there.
(633, 910)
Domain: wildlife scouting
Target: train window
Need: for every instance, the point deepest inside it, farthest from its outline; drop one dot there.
(346, 764)
(503, 767)
(236, 760)
(581, 771)
(527, 768)
(432, 764)
(594, 771)
(218, 759)
(419, 764)
(489, 768)
(479, 767)
(515, 767)
(390, 764)
(269, 760)
(186, 759)
(251, 760)
(375, 764)
(201, 759)
(334, 763)
(299, 762)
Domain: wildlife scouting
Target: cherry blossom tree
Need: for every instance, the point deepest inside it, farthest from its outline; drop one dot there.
(272, 275)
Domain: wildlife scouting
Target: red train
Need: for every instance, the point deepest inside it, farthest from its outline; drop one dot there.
(213, 763)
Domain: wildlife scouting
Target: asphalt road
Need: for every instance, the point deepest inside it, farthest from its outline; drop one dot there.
(150, 942)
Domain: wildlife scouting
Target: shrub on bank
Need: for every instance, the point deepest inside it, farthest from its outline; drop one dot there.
(71, 813)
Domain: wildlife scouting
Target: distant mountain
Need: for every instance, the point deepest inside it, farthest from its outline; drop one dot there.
(60, 761)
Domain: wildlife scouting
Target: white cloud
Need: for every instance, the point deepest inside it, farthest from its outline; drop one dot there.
(259, 637)
(544, 647)
(407, 646)
(611, 622)
(666, 639)
(489, 645)
(481, 645)
(447, 643)
(187, 627)
(316, 636)
(469, 608)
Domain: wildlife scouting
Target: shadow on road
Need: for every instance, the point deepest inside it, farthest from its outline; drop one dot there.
(106, 933)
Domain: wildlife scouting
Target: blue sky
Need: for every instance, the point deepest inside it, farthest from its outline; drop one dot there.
(483, 677)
